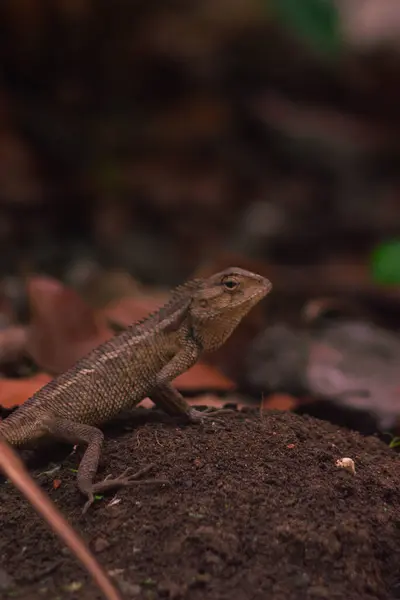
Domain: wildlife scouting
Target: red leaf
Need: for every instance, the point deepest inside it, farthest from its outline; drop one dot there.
(128, 310)
(12, 344)
(63, 327)
(203, 377)
(280, 402)
(207, 400)
(15, 391)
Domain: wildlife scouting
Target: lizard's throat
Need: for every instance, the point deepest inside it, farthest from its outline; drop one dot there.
(212, 335)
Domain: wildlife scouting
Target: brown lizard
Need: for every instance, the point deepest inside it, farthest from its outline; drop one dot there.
(140, 362)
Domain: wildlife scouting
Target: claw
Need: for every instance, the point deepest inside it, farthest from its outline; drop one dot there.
(122, 476)
(89, 503)
(197, 416)
(128, 469)
(122, 480)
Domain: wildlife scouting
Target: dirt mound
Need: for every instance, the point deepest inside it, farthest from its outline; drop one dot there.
(255, 510)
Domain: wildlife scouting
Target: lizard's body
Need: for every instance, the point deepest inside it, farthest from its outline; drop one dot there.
(140, 362)
(118, 375)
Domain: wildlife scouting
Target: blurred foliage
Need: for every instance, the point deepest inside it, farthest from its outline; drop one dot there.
(395, 442)
(316, 21)
(385, 263)
(154, 136)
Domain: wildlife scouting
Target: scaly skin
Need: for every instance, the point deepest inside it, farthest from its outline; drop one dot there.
(140, 362)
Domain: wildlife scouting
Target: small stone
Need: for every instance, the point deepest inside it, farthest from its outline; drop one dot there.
(201, 579)
(301, 580)
(318, 591)
(74, 586)
(346, 463)
(130, 590)
(6, 582)
(100, 544)
(212, 559)
(170, 589)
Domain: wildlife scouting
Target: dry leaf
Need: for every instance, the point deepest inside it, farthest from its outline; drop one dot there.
(13, 341)
(279, 402)
(63, 327)
(14, 392)
(128, 310)
(203, 377)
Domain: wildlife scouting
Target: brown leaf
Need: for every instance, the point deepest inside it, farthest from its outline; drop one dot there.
(14, 392)
(13, 342)
(56, 484)
(203, 377)
(207, 400)
(211, 400)
(319, 308)
(128, 310)
(279, 402)
(63, 327)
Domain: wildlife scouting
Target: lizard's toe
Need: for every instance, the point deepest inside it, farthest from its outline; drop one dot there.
(88, 503)
(125, 480)
(202, 416)
(122, 476)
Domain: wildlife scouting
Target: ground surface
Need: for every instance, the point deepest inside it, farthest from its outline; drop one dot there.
(256, 510)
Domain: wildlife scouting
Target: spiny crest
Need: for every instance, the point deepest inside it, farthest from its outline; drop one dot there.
(179, 295)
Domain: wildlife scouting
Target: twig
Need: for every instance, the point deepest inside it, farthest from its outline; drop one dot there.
(14, 469)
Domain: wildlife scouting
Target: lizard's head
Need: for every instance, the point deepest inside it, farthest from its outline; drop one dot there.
(222, 301)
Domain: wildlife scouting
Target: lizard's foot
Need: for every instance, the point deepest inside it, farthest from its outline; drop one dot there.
(200, 416)
(88, 503)
(123, 480)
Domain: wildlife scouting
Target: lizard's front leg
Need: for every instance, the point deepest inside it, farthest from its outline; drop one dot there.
(77, 433)
(173, 403)
(166, 397)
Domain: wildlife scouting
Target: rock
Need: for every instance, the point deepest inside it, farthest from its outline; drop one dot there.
(100, 544)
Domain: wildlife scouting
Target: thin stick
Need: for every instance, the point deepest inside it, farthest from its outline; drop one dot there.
(14, 469)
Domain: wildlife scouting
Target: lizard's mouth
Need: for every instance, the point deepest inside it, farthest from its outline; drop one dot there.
(261, 291)
(266, 287)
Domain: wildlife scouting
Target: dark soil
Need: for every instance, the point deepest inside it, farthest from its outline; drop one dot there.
(255, 510)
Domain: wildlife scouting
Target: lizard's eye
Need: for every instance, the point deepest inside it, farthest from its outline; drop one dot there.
(230, 283)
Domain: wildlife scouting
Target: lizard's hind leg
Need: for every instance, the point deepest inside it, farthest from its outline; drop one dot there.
(77, 433)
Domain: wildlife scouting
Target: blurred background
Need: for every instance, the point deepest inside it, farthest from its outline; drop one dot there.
(142, 143)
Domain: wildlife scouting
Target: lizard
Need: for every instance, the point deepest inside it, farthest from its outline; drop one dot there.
(140, 362)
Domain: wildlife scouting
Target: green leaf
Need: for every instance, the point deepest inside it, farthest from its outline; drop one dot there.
(316, 21)
(385, 263)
